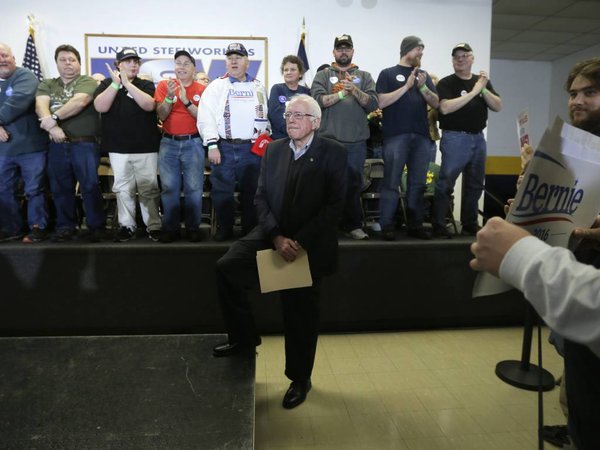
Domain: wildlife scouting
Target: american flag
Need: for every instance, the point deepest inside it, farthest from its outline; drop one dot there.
(31, 60)
(307, 79)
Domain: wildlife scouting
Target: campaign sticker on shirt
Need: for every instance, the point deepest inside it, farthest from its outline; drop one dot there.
(463, 92)
(9, 91)
(196, 98)
(333, 80)
(356, 80)
(400, 78)
(282, 99)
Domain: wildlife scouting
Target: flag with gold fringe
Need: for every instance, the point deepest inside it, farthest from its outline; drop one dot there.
(31, 60)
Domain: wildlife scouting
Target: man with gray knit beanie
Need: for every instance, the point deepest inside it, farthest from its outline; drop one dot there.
(404, 92)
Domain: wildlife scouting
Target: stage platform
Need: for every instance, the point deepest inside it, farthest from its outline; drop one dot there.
(128, 392)
(141, 287)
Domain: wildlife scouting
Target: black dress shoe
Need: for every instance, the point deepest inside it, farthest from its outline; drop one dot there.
(296, 394)
(227, 349)
(233, 348)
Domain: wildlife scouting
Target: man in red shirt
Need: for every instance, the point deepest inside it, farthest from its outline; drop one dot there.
(181, 155)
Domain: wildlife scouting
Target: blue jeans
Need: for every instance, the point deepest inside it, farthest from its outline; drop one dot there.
(238, 164)
(461, 152)
(181, 162)
(68, 163)
(352, 216)
(412, 150)
(32, 167)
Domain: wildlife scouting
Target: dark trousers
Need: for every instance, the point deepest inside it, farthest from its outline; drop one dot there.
(582, 374)
(236, 275)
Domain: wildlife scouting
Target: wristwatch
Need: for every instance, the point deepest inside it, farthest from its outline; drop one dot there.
(55, 117)
(188, 104)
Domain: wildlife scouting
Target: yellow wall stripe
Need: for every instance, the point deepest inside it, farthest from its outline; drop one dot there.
(503, 165)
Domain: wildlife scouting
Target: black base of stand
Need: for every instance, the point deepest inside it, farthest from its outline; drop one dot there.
(523, 374)
(528, 377)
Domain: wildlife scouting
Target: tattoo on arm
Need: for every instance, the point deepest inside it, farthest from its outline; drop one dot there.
(330, 100)
(361, 97)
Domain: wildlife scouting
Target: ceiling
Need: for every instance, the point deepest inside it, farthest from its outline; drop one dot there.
(543, 30)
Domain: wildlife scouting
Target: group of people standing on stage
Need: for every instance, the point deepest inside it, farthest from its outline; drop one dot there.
(58, 129)
(53, 129)
(403, 97)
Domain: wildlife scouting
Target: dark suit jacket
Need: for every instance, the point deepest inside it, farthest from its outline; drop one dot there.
(319, 199)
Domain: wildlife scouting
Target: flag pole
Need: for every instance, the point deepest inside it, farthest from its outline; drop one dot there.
(303, 55)
(33, 50)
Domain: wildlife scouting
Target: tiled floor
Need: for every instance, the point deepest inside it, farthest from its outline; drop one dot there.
(422, 390)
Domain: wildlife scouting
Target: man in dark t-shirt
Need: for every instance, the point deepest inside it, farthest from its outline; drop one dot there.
(464, 101)
(130, 136)
(404, 91)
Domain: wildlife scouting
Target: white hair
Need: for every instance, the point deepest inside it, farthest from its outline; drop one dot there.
(312, 104)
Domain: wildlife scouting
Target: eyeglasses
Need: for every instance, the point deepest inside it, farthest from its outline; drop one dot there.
(296, 115)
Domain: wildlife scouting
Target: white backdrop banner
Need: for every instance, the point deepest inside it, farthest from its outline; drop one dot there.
(157, 53)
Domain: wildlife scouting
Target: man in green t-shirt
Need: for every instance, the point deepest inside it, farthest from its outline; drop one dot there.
(65, 110)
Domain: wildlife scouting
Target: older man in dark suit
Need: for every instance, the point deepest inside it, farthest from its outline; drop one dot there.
(299, 201)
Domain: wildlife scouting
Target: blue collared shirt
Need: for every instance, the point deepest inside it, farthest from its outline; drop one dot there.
(247, 80)
(298, 152)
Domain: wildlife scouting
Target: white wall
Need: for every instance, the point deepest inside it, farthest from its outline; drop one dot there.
(376, 26)
(521, 84)
(560, 71)
(538, 86)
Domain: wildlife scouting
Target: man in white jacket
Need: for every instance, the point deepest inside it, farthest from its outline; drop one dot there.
(565, 293)
(232, 113)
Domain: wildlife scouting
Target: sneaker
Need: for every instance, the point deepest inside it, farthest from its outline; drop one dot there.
(388, 234)
(194, 235)
(557, 435)
(223, 234)
(36, 234)
(166, 237)
(419, 233)
(124, 234)
(376, 227)
(470, 230)
(358, 234)
(440, 231)
(154, 235)
(97, 235)
(63, 236)
(6, 236)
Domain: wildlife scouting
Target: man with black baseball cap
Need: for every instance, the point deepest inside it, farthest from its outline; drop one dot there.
(232, 114)
(346, 95)
(465, 98)
(130, 136)
(181, 154)
(404, 91)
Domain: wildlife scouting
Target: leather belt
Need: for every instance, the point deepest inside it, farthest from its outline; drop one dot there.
(464, 132)
(237, 141)
(181, 137)
(76, 140)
